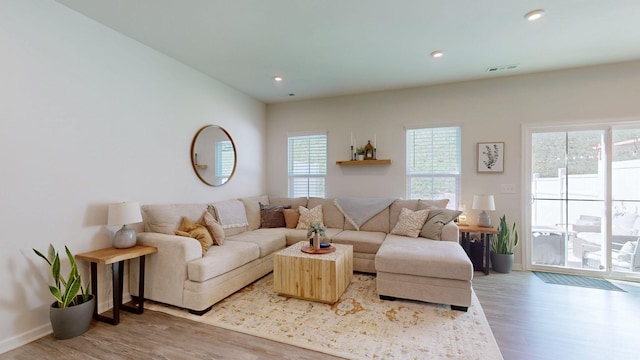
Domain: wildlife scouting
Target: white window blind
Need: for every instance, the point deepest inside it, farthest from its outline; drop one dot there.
(433, 164)
(224, 161)
(307, 165)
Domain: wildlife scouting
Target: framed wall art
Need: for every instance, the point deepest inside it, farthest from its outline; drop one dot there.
(491, 157)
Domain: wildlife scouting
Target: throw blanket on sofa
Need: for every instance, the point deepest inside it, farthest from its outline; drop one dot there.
(231, 213)
(358, 210)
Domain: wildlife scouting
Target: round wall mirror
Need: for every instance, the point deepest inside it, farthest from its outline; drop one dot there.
(213, 155)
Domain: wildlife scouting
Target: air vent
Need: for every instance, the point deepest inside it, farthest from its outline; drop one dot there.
(502, 68)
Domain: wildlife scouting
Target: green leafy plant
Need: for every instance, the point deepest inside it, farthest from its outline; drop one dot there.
(360, 150)
(66, 290)
(507, 238)
(317, 228)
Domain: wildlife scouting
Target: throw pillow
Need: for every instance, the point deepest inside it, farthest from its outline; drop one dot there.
(436, 220)
(215, 229)
(197, 231)
(271, 216)
(291, 217)
(410, 222)
(308, 216)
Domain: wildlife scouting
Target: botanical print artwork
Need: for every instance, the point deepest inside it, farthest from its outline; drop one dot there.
(491, 157)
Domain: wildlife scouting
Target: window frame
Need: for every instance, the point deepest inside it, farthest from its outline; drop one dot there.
(292, 175)
(456, 175)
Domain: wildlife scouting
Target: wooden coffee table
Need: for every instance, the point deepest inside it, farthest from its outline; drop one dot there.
(316, 277)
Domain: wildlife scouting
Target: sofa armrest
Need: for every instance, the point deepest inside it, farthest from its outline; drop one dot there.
(450, 232)
(166, 270)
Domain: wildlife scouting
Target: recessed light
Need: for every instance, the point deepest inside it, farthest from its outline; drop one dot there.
(277, 78)
(534, 15)
(436, 54)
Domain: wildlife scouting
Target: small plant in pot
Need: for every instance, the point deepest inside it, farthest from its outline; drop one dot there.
(360, 153)
(72, 311)
(502, 246)
(318, 231)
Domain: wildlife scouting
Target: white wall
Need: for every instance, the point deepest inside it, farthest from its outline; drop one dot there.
(488, 111)
(89, 117)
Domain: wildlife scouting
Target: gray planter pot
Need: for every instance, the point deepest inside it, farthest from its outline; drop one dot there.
(502, 263)
(71, 321)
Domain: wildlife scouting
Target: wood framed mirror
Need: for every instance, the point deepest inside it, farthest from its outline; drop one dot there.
(213, 155)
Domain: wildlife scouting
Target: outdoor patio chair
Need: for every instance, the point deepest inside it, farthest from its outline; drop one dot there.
(624, 257)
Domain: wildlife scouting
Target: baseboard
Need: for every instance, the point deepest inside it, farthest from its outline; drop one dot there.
(25, 338)
(44, 330)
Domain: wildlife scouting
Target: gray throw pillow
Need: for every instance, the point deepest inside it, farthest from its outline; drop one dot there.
(437, 219)
(271, 216)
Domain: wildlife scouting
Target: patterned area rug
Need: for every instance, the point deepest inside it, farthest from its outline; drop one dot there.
(358, 326)
(574, 280)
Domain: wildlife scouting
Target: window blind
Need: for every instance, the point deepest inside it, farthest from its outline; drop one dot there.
(307, 165)
(433, 163)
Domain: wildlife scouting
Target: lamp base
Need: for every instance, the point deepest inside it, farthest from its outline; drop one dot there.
(484, 220)
(124, 238)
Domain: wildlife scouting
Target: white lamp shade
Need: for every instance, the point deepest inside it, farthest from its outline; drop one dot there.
(483, 202)
(124, 213)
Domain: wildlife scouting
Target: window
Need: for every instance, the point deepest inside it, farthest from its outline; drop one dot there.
(307, 165)
(433, 164)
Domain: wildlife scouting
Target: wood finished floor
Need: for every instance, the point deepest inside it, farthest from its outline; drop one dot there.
(529, 319)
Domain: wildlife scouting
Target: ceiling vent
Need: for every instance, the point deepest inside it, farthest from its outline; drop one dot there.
(502, 68)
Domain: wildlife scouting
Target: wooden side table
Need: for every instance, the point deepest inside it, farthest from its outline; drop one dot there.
(117, 257)
(485, 237)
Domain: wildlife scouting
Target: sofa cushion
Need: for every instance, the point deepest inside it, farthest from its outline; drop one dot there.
(292, 202)
(291, 217)
(231, 215)
(380, 223)
(423, 257)
(267, 240)
(410, 222)
(214, 227)
(362, 241)
(309, 216)
(396, 207)
(252, 208)
(271, 216)
(437, 219)
(197, 231)
(332, 217)
(165, 218)
(358, 211)
(221, 259)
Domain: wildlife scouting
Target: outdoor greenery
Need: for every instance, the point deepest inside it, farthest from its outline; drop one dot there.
(66, 290)
(580, 149)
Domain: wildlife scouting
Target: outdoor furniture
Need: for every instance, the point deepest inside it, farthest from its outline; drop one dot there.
(548, 245)
(624, 257)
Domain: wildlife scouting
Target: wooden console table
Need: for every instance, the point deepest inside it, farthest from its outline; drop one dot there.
(485, 237)
(117, 257)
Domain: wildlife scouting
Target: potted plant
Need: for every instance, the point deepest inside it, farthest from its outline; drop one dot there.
(360, 153)
(71, 313)
(318, 231)
(502, 246)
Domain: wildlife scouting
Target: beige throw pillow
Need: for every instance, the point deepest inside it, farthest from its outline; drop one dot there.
(215, 229)
(410, 222)
(197, 231)
(308, 216)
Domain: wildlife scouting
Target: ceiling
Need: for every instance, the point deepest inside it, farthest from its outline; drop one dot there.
(336, 47)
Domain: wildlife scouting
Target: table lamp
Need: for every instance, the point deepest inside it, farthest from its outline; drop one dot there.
(484, 202)
(124, 214)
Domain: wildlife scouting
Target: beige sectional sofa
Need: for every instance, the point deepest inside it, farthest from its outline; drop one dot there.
(180, 275)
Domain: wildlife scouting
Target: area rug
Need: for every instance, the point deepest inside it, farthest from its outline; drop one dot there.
(574, 280)
(358, 326)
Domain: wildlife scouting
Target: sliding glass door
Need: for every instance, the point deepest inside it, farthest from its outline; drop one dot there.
(585, 199)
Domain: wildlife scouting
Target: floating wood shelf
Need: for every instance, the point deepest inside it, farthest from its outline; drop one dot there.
(364, 162)
(199, 166)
